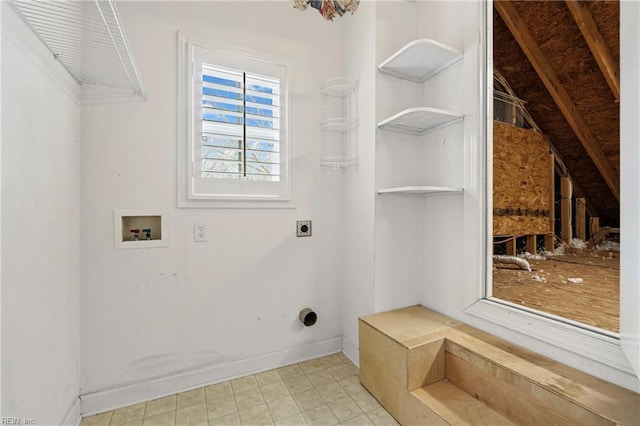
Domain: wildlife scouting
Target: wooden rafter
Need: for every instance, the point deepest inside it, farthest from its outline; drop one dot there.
(543, 68)
(599, 48)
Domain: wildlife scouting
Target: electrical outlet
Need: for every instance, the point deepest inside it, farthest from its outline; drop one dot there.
(199, 232)
(303, 228)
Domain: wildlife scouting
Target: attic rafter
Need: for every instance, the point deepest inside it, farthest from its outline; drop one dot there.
(599, 48)
(521, 34)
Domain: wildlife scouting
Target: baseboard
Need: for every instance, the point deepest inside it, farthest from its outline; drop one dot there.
(129, 394)
(73, 414)
(351, 351)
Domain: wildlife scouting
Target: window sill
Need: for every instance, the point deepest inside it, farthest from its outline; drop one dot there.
(598, 346)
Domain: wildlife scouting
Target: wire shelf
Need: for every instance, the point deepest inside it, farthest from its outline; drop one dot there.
(339, 123)
(88, 39)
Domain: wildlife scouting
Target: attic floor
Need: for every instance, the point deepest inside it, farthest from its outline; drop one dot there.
(322, 391)
(582, 286)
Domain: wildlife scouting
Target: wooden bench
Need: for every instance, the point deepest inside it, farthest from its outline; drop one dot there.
(427, 369)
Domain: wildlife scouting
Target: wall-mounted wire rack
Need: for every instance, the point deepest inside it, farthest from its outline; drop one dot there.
(339, 123)
(88, 39)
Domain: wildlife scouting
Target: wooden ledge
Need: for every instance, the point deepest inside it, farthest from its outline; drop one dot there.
(410, 357)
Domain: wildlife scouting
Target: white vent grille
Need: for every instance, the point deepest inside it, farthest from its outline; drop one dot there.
(88, 39)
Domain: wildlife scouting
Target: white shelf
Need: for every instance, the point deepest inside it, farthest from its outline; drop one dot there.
(420, 60)
(418, 120)
(339, 124)
(338, 87)
(420, 190)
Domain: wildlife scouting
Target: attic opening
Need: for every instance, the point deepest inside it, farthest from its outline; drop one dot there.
(556, 159)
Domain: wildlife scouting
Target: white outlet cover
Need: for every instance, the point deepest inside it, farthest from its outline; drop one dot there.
(199, 232)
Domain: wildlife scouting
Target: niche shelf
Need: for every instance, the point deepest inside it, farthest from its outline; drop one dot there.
(148, 225)
(420, 60)
(420, 190)
(419, 120)
(339, 123)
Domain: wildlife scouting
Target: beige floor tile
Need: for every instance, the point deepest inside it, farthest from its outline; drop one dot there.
(351, 365)
(345, 409)
(249, 398)
(102, 419)
(341, 372)
(134, 423)
(298, 384)
(343, 357)
(295, 420)
(381, 417)
(191, 415)
(366, 402)
(127, 414)
(308, 400)
(256, 416)
(192, 397)
(282, 408)
(332, 392)
(232, 419)
(221, 406)
(321, 378)
(290, 371)
(331, 361)
(362, 420)
(320, 416)
(161, 405)
(218, 391)
(268, 377)
(274, 391)
(352, 385)
(311, 366)
(244, 383)
(164, 419)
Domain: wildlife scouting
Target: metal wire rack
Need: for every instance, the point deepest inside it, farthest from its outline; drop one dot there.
(88, 39)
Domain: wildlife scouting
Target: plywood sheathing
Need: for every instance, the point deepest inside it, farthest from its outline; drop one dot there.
(558, 36)
(521, 181)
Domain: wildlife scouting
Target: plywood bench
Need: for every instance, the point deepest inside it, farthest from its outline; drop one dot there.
(427, 369)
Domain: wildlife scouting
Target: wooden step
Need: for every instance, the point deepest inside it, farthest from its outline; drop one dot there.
(457, 407)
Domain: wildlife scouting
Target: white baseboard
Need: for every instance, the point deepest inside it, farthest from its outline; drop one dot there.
(351, 351)
(129, 394)
(73, 414)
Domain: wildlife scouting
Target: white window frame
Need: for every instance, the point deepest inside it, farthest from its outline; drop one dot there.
(612, 356)
(240, 193)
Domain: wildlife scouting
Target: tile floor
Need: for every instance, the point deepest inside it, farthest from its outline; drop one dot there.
(322, 391)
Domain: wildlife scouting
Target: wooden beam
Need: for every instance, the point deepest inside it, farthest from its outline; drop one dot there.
(543, 68)
(565, 209)
(532, 244)
(511, 247)
(581, 219)
(599, 48)
(549, 243)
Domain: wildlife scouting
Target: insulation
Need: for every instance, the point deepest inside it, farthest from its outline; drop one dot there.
(521, 181)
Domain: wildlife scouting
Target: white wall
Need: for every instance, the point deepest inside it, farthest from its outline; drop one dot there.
(397, 224)
(359, 196)
(40, 233)
(194, 313)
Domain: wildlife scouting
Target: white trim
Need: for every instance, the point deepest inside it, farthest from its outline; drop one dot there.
(630, 181)
(127, 394)
(73, 416)
(15, 31)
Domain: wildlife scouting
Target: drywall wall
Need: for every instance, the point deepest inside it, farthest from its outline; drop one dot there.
(40, 233)
(359, 184)
(397, 162)
(155, 321)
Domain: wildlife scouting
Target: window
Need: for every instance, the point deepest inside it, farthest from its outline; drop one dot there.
(235, 123)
